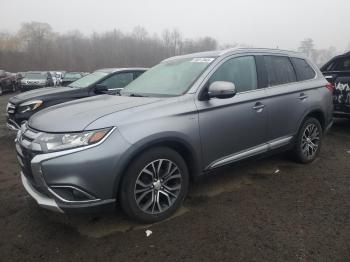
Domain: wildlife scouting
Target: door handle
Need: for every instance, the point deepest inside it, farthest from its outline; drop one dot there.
(258, 107)
(302, 96)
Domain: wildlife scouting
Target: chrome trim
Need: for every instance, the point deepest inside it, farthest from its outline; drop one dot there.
(279, 142)
(11, 127)
(238, 156)
(41, 199)
(70, 201)
(251, 152)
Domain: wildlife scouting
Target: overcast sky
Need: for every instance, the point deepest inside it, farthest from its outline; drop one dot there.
(261, 23)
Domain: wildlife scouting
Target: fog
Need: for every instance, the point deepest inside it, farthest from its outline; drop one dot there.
(268, 23)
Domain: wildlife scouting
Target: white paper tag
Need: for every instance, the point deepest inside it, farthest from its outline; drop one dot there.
(202, 60)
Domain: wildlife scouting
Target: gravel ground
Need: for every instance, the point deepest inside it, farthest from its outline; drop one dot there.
(268, 210)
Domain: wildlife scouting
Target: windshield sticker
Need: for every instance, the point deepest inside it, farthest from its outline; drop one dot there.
(202, 60)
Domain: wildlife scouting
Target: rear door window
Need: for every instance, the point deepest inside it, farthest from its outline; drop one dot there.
(303, 69)
(279, 70)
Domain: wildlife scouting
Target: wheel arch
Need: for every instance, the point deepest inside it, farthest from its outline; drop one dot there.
(178, 144)
(319, 115)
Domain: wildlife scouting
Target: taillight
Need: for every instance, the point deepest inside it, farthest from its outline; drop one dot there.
(330, 87)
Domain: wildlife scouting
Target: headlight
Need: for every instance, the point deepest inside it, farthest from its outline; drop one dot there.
(29, 106)
(56, 142)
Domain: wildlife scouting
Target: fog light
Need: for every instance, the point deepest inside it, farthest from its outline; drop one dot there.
(71, 194)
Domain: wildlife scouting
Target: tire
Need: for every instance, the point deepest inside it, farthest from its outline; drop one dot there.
(1, 90)
(141, 186)
(13, 88)
(309, 141)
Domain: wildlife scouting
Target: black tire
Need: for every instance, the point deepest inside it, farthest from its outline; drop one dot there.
(13, 88)
(1, 91)
(134, 173)
(308, 146)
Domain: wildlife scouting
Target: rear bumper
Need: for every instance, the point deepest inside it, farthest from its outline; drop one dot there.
(341, 114)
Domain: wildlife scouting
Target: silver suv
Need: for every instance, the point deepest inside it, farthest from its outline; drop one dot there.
(184, 117)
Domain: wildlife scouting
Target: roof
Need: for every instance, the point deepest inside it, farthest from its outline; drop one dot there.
(113, 70)
(230, 51)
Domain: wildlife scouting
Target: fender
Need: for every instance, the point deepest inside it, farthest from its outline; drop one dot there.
(160, 139)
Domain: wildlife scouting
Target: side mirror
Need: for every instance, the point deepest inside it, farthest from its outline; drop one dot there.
(221, 89)
(101, 88)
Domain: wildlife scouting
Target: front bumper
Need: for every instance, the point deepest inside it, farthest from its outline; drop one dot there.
(42, 200)
(90, 169)
(12, 125)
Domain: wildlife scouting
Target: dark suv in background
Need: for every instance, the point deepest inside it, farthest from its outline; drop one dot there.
(337, 72)
(103, 81)
(181, 119)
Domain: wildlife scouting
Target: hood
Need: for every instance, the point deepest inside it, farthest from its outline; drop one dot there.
(42, 93)
(76, 115)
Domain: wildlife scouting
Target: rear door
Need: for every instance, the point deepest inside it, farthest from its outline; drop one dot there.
(288, 99)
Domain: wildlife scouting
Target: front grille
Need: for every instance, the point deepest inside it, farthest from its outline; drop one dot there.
(26, 158)
(11, 108)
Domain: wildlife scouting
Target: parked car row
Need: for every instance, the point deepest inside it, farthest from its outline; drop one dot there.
(8, 82)
(26, 81)
(104, 81)
(160, 130)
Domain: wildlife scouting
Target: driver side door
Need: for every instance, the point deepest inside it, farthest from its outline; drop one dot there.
(234, 128)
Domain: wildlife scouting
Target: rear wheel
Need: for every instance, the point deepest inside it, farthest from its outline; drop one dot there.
(155, 185)
(309, 141)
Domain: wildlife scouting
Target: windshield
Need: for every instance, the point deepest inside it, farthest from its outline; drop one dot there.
(35, 75)
(169, 78)
(72, 75)
(88, 80)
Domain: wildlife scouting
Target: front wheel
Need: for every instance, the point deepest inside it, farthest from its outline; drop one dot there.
(309, 140)
(155, 185)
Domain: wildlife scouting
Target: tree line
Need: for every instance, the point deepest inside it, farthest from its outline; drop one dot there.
(35, 46)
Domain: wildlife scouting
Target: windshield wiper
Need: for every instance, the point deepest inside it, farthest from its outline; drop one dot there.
(136, 95)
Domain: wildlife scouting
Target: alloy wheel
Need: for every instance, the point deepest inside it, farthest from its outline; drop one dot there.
(157, 186)
(310, 140)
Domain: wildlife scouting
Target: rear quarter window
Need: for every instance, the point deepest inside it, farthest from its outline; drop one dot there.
(279, 70)
(303, 70)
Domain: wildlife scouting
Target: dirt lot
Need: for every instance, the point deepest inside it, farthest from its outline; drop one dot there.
(247, 213)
